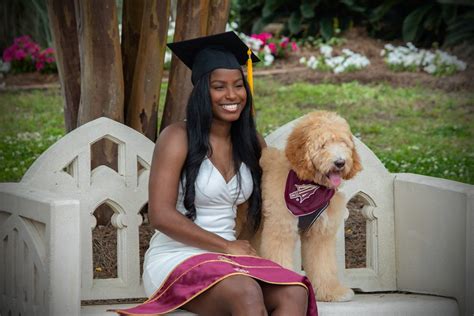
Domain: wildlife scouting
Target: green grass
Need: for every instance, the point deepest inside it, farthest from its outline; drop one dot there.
(416, 130)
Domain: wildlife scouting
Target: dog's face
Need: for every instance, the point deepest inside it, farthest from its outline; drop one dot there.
(321, 149)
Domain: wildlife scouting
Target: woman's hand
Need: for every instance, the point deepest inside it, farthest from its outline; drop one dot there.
(240, 247)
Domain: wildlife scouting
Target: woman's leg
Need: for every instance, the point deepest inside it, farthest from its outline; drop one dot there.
(285, 299)
(235, 295)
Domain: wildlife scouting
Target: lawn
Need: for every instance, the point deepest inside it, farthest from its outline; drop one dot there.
(416, 129)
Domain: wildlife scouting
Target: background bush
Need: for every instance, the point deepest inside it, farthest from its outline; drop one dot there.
(446, 22)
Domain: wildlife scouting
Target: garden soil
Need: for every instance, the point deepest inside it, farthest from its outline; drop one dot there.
(289, 70)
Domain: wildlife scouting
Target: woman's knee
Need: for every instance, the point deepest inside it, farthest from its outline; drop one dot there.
(297, 294)
(294, 298)
(245, 294)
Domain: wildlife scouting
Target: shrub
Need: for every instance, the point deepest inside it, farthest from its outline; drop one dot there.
(25, 55)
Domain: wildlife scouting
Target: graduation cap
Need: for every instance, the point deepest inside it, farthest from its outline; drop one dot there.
(204, 54)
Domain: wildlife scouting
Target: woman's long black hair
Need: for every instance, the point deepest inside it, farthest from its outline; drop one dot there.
(245, 147)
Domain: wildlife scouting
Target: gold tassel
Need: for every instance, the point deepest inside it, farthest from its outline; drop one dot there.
(250, 76)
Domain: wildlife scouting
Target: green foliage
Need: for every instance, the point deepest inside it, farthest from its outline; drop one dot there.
(447, 22)
(301, 17)
(414, 130)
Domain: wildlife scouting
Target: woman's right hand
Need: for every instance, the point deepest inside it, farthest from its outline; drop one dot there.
(240, 247)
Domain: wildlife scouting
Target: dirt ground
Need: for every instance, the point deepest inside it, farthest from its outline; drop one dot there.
(289, 70)
(377, 72)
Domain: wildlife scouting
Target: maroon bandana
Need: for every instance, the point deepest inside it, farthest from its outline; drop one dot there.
(306, 199)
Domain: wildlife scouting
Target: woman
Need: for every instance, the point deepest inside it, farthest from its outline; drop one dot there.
(201, 170)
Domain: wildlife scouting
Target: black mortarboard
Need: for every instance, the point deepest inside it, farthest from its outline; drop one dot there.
(204, 54)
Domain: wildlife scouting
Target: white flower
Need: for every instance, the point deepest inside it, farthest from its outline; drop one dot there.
(431, 69)
(347, 52)
(268, 59)
(312, 62)
(382, 53)
(410, 58)
(389, 47)
(303, 60)
(326, 50)
(339, 69)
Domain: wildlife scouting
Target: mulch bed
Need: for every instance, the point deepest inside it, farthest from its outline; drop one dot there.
(104, 242)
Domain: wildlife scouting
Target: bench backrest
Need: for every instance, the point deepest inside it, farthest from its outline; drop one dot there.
(65, 168)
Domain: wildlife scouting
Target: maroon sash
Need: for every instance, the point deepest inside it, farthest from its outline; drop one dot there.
(198, 273)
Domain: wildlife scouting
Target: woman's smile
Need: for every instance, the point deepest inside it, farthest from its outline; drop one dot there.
(228, 94)
(230, 107)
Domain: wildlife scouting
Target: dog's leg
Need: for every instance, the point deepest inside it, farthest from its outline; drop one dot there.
(278, 240)
(318, 249)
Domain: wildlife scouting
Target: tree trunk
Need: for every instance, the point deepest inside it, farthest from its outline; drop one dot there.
(145, 94)
(101, 71)
(63, 25)
(218, 16)
(191, 21)
(101, 61)
(131, 24)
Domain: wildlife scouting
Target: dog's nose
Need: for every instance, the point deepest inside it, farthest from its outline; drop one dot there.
(340, 163)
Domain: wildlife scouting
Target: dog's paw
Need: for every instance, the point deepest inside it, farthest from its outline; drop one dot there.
(338, 294)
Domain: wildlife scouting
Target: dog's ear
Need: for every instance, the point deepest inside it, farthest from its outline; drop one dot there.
(356, 165)
(297, 152)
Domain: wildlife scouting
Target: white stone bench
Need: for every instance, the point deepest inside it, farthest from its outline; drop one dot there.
(419, 233)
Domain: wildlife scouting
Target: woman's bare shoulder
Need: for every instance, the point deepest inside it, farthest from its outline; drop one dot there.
(174, 139)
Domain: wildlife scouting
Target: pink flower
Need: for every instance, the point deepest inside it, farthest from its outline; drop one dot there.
(284, 42)
(39, 65)
(19, 54)
(273, 48)
(49, 50)
(22, 40)
(32, 48)
(294, 47)
(262, 37)
(8, 54)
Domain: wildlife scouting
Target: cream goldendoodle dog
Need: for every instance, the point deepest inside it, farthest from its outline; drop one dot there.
(300, 199)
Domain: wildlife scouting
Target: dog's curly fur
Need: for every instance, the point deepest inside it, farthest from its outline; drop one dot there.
(316, 143)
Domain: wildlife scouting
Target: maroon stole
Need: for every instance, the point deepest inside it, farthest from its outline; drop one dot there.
(200, 272)
(306, 199)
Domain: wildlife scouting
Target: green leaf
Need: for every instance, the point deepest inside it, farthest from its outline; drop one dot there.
(449, 12)
(353, 6)
(307, 9)
(294, 23)
(271, 6)
(379, 12)
(326, 28)
(461, 25)
(432, 20)
(412, 23)
(454, 38)
(457, 2)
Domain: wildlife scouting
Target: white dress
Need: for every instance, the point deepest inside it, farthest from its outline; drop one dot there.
(216, 207)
